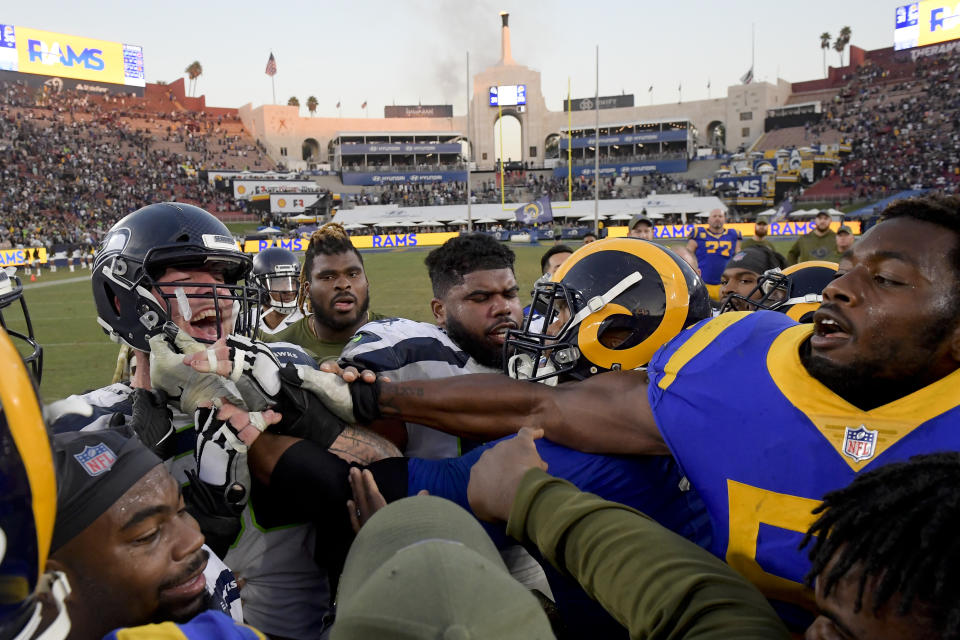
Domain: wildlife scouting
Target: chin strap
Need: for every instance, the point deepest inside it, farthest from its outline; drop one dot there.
(55, 583)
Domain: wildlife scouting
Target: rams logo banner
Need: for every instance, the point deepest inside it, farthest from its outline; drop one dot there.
(17, 257)
(536, 212)
(57, 54)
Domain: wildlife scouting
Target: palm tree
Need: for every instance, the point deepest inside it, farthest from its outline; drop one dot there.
(843, 39)
(194, 71)
(293, 102)
(312, 105)
(824, 45)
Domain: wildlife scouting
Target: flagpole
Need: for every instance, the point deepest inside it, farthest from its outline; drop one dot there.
(596, 150)
(273, 84)
(469, 155)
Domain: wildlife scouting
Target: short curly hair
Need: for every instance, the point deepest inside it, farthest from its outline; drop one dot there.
(448, 264)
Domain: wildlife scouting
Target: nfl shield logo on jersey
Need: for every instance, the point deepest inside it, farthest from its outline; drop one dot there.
(96, 459)
(860, 443)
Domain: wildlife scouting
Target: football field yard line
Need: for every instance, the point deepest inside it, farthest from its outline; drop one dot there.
(41, 285)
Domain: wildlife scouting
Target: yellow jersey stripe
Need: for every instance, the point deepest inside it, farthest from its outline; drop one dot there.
(697, 343)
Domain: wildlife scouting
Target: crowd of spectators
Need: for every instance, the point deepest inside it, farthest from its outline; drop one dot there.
(904, 133)
(71, 163)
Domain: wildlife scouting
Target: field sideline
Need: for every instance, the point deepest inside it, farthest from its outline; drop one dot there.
(78, 356)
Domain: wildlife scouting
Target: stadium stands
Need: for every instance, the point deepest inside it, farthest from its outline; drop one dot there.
(73, 163)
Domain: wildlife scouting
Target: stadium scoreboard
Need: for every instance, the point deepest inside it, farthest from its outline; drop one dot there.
(46, 53)
(927, 22)
(509, 95)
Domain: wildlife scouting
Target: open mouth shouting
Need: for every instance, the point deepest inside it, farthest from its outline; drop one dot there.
(830, 330)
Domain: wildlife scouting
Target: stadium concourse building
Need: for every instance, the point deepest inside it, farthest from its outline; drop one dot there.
(423, 144)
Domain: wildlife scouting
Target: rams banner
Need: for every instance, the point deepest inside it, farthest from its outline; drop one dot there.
(785, 228)
(385, 241)
(18, 257)
(47, 53)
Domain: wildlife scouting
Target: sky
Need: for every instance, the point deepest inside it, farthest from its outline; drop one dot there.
(414, 51)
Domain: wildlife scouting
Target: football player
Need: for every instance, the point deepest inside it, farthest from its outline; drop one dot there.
(277, 271)
(872, 380)
(713, 246)
(796, 291)
(640, 296)
(37, 593)
(334, 294)
(172, 272)
(11, 292)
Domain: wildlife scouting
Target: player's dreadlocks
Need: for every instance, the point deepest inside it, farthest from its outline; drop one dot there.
(328, 240)
(462, 255)
(898, 525)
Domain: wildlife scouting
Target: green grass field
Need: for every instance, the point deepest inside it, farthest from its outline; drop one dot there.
(78, 356)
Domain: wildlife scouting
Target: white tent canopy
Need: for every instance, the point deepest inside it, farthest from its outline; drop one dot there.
(656, 206)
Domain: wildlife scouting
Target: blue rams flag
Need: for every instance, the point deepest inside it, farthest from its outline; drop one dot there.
(536, 212)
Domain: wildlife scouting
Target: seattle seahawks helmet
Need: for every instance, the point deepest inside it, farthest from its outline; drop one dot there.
(11, 292)
(276, 272)
(132, 306)
(796, 291)
(609, 306)
(28, 503)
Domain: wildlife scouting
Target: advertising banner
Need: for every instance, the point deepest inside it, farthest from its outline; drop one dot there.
(292, 202)
(750, 186)
(633, 168)
(645, 137)
(385, 241)
(18, 257)
(356, 149)
(606, 102)
(419, 111)
(418, 177)
(244, 189)
(65, 56)
(682, 231)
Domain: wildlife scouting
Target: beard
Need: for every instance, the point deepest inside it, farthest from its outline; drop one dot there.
(475, 347)
(329, 318)
(857, 381)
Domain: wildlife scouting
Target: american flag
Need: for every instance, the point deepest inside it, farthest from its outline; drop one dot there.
(364, 105)
(271, 66)
(338, 104)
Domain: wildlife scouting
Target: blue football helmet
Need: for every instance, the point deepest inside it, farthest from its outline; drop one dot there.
(11, 292)
(132, 306)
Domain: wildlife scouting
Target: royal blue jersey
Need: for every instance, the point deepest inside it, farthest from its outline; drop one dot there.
(762, 441)
(650, 484)
(713, 251)
(209, 625)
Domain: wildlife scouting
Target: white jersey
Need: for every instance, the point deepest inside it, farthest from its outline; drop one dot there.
(407, 350)
(284, 323)
(285, 593)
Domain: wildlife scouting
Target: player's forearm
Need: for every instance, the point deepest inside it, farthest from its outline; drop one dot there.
(607, 413)
(481, 406)
(651, 580)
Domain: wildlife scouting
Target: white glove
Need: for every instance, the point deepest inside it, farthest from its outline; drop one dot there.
(185, 386)
(332, 390)
(221, 455)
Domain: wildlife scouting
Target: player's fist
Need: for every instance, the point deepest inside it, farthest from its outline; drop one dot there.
(496, 475)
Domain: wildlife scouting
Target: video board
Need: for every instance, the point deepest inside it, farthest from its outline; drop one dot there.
(919, 24)
(508, 95)
(46, 53)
